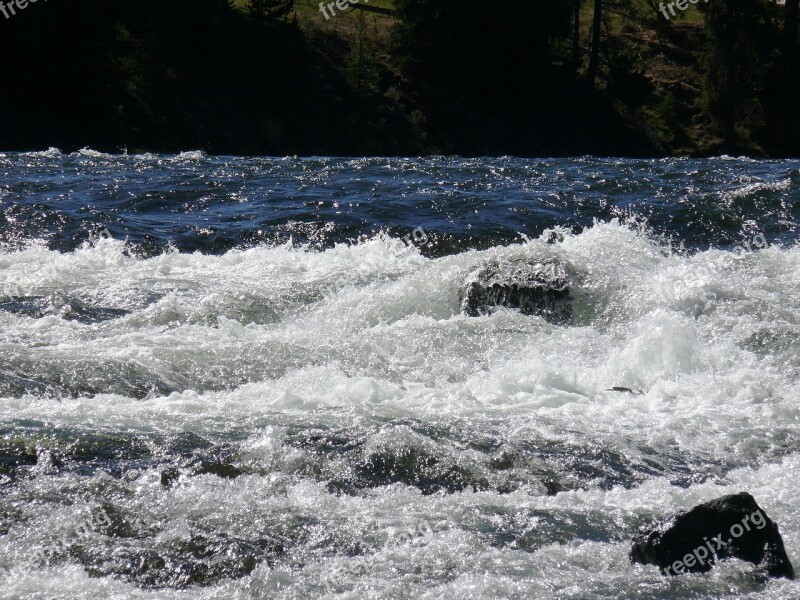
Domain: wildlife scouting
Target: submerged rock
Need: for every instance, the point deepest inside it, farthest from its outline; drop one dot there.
(626, 390)
(534, 288)
(729, 527)
(70, 309)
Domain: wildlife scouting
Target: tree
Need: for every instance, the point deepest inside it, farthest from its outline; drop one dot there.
(594, 56)
(740, 43)
(361, 62)
(576, 34)
(477, 52)
(271, 10)
(791, 24)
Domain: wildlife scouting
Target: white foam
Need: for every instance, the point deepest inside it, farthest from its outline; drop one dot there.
(49, 153)
(191, 155)
(260, 338)
(88, 152)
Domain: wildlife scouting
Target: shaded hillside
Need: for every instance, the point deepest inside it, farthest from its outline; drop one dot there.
(437, 76)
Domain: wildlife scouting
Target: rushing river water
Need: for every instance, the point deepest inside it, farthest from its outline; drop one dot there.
(249, 377)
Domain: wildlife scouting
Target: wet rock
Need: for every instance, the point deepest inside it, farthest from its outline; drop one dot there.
(625, 390)
(170, 476)
(214, 461)
(70, 309)
(15, 458)
(76, 310)
(729, 527)
(533, 288)
(26, 306)
(202, 560)
(416, 467)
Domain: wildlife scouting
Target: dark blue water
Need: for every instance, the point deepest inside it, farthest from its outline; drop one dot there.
(212, 204)
(231, 377)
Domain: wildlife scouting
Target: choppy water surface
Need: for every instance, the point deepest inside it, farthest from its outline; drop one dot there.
(232, 378)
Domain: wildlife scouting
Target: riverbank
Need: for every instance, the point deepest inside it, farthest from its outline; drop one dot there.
(154, 78)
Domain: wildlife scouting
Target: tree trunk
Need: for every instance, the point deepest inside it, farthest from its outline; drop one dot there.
(594, 57)
(791, 23)
(576, 34)
(375, 9)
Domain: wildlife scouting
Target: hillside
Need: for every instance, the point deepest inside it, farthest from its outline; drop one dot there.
(436, 76)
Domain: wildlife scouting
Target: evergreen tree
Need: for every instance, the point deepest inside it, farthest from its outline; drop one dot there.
(576, 34)
(594, 56)
(361, 62)
(792, 9)
(737, 60)
(472, 50)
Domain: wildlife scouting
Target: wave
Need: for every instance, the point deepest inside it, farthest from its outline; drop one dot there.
(191, 155)
(362, 434)
(89, 153)
(760, 186)
(49, 153)
(645, 317)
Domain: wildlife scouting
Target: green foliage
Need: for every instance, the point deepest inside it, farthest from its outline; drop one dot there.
(464, 76)
(361, 62)
(271, 10)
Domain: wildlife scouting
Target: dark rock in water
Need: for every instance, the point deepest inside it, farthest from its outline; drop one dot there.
(170, 477)
(626, 390)
(207, 461)
(729, 527)
(70, 309)
(534, 288)
(75, 310)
